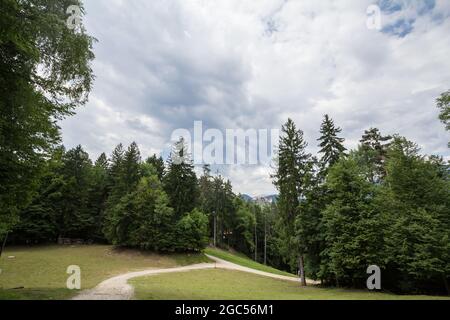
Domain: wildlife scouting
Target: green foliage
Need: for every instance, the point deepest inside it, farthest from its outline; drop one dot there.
(374, 148)
(443, 103)
(69, 202)
(158, 165)
(142, 218)
(331, 145)
(192, 231)
(144, 215)
(415, 202)
(97, 196)
(124, 173)
(292, 168)
(180, 181)
(244, 227)
(384, 204)
(353, 229)
(309, 225)
(130, 168)
(76, 220)
(39, 221)
(44, 74)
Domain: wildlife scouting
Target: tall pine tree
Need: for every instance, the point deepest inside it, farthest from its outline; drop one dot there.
(331, 145)
(289, 178)
(180, 181)
(158, 164)
(131, 169)
(98, 194)
(115, 172)
(77, 221)
(374, 148)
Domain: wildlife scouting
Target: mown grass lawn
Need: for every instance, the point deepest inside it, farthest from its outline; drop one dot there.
(219, 284)
(243, 261)
(40, 272)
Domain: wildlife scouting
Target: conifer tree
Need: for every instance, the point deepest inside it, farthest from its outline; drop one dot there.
(131, 169)
(115, 174)
(374, 148)
(180, 181)
(331, 145)
(143, 218)
(289, 180)
(102, 162)
(76, 170)
(39, 221)
(158, 164)
(98, 195)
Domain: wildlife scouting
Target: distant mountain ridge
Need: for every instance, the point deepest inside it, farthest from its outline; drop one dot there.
(272, 198)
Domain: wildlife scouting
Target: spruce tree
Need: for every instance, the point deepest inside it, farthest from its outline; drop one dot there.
(143, 218)
(180, 181)
(289, 180)
(102, 162)
(76, 220)
(331, 145)
(116, 186)
(207, 201)
(158, 164)
(98, 195)
(374, 148)
(309, 226)
(131, 169)
(39, 221)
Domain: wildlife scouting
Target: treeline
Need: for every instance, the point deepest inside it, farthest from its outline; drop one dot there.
(125, 201)
(382, 204)
(121, 200)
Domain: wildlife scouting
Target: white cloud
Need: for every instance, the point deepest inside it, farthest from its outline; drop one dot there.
(161, 65)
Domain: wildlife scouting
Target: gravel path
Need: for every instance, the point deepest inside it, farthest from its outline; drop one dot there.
(117, 288)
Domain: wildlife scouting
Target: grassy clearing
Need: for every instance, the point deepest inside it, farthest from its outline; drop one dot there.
(219, 284)
(243, 261)
(40, 272)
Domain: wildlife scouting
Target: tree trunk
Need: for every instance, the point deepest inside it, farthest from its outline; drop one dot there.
(301, 267)
(444, 277)
(3, 244)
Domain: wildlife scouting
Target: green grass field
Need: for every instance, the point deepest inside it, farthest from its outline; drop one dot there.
(40, 272)
(243, 261)
(219, 284)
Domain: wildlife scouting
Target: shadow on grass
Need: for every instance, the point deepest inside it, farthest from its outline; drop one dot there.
(37, 294)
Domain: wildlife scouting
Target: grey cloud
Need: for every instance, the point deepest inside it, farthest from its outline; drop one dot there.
(161, 65)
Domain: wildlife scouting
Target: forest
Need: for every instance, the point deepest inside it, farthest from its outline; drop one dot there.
(336, 213)
(383, 203)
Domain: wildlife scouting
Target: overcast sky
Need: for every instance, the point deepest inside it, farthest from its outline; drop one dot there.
(160, 65)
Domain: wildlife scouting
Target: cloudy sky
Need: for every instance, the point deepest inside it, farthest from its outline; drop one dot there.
(162, 64)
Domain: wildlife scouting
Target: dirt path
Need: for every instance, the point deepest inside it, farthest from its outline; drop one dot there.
(117, 288)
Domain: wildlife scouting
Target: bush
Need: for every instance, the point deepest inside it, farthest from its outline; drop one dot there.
(192, 231)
